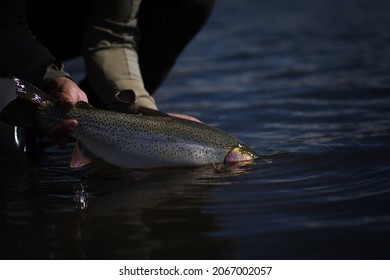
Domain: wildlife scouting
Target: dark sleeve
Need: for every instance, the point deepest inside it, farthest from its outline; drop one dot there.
(21, 55)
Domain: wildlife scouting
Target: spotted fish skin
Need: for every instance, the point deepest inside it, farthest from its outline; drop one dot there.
(140, 141)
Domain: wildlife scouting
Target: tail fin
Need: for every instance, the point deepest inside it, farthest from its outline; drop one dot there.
(14, 113)
(33, 95)
(29, 99)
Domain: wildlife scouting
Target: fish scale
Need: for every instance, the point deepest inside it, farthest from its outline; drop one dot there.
(169, 141)
(146, 140)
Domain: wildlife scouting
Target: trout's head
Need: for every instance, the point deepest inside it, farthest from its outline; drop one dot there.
(241, 153)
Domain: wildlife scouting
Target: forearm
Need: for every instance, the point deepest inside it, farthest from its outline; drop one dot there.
(110, 52)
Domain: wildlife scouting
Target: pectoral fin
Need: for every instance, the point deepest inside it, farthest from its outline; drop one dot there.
(79, 157)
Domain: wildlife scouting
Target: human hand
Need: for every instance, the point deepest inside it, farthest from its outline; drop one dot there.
(68, 94)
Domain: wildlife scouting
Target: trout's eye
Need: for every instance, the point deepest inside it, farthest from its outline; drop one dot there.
(238, 154)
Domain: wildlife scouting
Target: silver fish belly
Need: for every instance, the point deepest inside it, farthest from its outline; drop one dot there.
(134, 141)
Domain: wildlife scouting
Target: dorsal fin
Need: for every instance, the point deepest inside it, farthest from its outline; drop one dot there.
(128, 97)
(133, 109)
(84, 105)
(148, 112)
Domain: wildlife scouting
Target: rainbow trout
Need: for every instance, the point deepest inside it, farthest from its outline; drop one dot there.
(146, 140)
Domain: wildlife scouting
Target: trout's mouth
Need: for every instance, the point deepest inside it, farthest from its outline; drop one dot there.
(240, 153)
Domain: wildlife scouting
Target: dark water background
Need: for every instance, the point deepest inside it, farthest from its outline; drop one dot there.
(306, 84)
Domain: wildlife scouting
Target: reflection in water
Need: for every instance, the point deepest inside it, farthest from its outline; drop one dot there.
(105, 212)
(80, 197)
